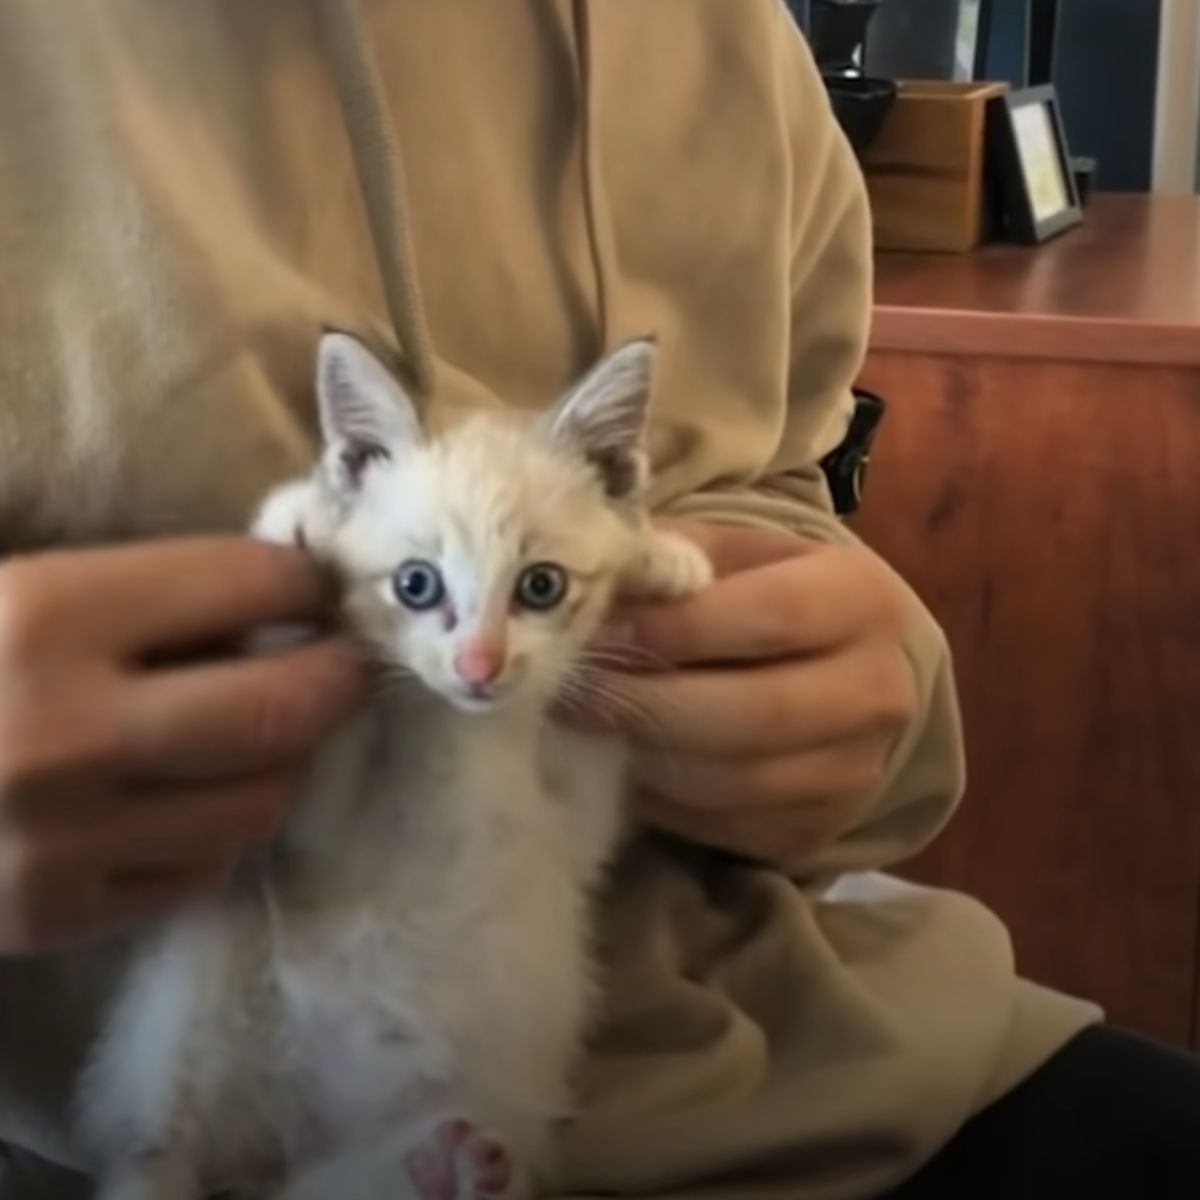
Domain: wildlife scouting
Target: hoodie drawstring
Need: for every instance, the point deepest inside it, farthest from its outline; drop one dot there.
(595, 199)
(381, 179)
(380, 171)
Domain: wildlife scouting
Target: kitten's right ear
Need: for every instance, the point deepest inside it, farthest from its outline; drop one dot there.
(604, 417)
(366, 414)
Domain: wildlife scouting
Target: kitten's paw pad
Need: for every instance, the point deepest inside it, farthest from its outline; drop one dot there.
(458, 1162)
(671, 567)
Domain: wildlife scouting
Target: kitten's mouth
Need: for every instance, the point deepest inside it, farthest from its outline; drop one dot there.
(477, 698)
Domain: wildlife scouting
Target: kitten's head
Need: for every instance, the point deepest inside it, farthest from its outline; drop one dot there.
(482, 559)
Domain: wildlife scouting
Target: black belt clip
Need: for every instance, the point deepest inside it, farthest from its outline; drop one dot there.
(846, 465)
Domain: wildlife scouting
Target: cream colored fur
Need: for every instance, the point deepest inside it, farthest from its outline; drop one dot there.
(415, 949)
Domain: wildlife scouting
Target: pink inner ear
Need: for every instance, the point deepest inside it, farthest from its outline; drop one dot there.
(357, 456)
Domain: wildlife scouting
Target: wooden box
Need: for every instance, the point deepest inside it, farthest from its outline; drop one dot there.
(925, 172)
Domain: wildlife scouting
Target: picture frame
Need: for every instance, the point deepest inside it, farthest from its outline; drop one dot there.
(1035, 196)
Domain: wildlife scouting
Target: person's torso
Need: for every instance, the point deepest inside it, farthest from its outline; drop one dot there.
(182, 216)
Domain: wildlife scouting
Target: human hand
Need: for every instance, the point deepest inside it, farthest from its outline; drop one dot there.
(127, 788)
(775, 698)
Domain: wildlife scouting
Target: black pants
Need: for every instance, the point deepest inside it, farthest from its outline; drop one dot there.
(1109, 1116)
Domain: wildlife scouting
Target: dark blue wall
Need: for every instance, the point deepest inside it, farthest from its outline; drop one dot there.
(1106, 77)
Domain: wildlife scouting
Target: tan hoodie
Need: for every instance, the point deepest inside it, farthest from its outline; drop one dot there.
(181, 211)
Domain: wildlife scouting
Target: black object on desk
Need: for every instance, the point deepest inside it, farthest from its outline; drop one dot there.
(861, 106)
(860, 103)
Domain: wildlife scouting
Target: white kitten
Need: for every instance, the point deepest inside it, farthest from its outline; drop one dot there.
(390, 1006)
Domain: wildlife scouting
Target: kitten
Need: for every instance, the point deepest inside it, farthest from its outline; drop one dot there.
(391, 1004)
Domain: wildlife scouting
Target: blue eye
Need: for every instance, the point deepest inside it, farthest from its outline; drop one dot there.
(418, 585)
(542, 587)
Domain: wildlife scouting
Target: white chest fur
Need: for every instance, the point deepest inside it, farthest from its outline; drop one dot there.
(427, 957)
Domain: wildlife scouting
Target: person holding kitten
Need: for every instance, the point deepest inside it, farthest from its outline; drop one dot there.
(496, 195)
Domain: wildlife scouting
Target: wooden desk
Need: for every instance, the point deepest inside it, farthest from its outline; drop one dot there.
(1038, 480)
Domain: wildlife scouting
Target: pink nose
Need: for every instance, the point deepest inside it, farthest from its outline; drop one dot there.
(479, 662)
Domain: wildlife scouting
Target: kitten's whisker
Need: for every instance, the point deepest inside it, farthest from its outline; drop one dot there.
(575, 691)
(616, 662)
(654, 732)
(394, 676)
(606, 690)
(636, 713)
(626, 652)
(610, 705)
(390, 679)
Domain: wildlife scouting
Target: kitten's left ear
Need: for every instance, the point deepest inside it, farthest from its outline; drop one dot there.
(366, 413)
(604, 418)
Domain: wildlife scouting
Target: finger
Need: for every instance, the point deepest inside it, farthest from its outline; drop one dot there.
(734, 548)
(90, 903)
(835, 774)
(168, 829)
(129, 901)
(145, 597)
(777, 708)
(149, 830)
(800, 605)
(213, 721)
(134, 892)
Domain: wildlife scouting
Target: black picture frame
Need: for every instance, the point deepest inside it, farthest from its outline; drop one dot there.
(1029, 208)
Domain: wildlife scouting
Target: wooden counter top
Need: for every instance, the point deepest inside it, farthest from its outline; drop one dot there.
(1122, 288)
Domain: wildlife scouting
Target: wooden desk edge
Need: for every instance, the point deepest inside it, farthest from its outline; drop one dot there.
(959, 333)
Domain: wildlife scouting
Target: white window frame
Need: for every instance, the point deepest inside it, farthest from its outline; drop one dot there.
(1177, 116)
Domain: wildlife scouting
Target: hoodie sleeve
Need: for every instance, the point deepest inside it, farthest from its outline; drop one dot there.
(831, 286)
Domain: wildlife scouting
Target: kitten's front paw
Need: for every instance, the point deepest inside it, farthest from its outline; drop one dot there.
(669, 568)
(283, 515)
(458, 1162)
